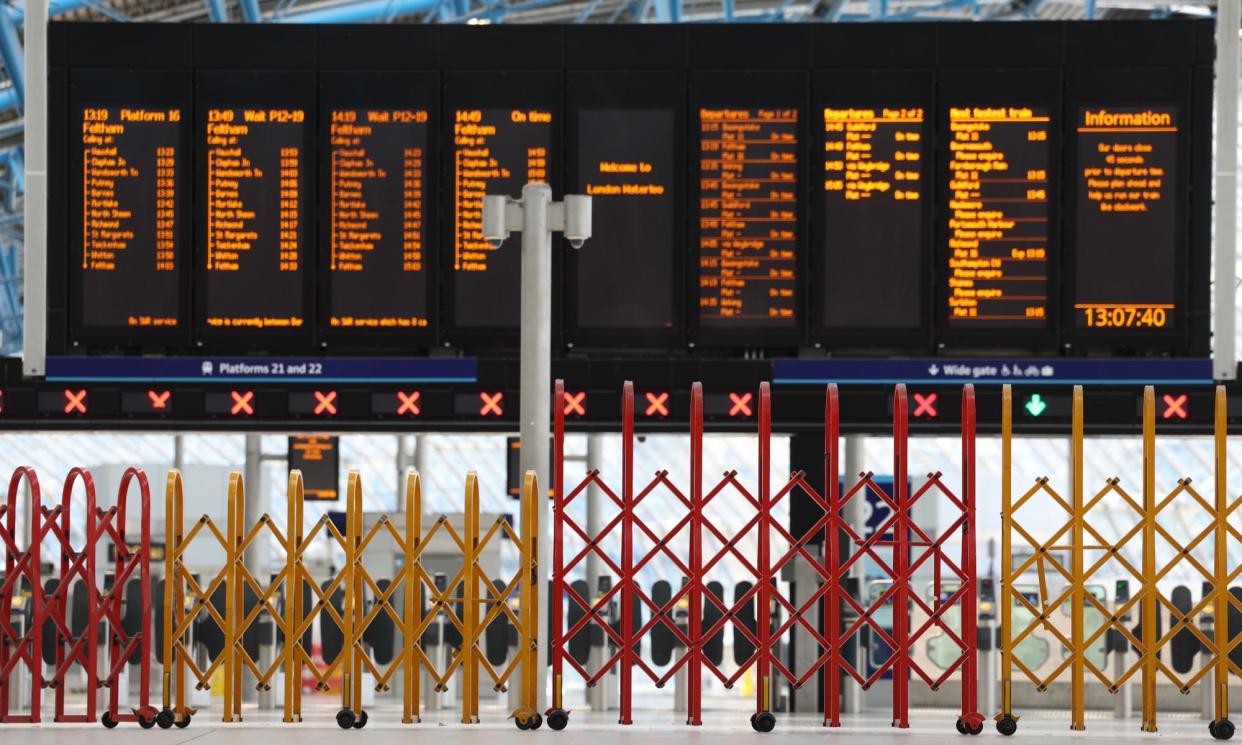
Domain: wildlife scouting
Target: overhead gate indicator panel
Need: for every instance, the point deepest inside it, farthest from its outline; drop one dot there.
(1092, 548)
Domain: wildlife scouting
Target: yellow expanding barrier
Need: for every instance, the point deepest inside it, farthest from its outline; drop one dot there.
(226, 606)
(1093, 550)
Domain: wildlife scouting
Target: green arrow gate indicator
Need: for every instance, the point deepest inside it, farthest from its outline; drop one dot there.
(1035, 405)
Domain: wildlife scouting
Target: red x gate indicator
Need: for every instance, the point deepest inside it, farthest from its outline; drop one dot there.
(1176, 407)
(242, 403)
(407, 403)
(491, 403)
(75, 401)
(740, 404)
(925, 405)
(657, 404)
(159, 399)
(575, 403)
(325, 403)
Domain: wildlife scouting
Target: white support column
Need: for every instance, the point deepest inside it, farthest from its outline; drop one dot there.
(1224, 352)
(34, 287)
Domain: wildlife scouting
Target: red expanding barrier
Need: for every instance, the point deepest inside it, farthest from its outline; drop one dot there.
(911, 549)
(58, 620)
(762, 616)
(20, 640)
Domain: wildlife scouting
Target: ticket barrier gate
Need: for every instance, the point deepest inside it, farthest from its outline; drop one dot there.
(698, 630)
(63, 615)
(1091, 552)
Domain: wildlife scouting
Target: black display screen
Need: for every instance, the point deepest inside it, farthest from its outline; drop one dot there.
(257, 242)
(625, 162)
(996, 207)
(1125, 242)
(376, 211)
(748, 217)
(128, 191)
(495, 150)
(872, 182)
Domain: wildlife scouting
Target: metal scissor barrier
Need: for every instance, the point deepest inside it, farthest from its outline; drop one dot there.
(761, 615)
(468, 603)
(127, 618)
(912, 548)
(1091, 551)
(21, 641)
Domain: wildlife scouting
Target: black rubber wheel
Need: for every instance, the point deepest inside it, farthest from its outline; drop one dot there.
(522, 724)
(764, 721)
(165, 718)
(1006, 725)
(183, 722)
(975, 730)
(1221, 729)
(107, 720)
(146, 723)
(362, 720)
(536, 721)
(558, 719)
(345, 719)
(961, 726)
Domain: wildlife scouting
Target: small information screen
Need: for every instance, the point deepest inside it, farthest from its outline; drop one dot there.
(998, 208)
(318, 457)
(1125, 252)
(625, 161)
(377, 238)
(873, 193)
(495, 151)
(257, 242)
(748, 217)
(132, 212)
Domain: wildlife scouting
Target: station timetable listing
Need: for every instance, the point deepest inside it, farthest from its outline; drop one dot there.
(495, 151)
(376, 229)
(255, 236)
(748, 216)
(129, 252)
(997, 195)
(872, 180)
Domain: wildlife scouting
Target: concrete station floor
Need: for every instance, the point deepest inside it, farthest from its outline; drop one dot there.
(653, 727)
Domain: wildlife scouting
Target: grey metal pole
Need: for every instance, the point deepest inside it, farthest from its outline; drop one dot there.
(856, 516)
(1224, 352)
(255, 559)
(536, 381)
(34, 287)
(179, 452)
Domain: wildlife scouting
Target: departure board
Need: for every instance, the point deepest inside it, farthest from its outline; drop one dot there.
(997, 203)
(377, 191)
(625, 161)
(130, 201)
(1125, 251)
(872, 182)
(495, 151)
(256, 246)
(748, 217)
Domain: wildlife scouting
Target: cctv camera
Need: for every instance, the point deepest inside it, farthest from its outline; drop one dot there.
(495, 228)
(577, 219)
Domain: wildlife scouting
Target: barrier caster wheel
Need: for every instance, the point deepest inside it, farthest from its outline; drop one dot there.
(522, 724)
(107, 720)
(558, 719)
(165, 718)
(345, 719)
(146, 722)
(975, 730)
(1222, 729)
(961, 726)
(362, 720)
(183, 722)
(1006, 725)
(763, 722)
(536, 721)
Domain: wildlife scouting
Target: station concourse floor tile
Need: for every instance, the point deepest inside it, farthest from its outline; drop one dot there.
(650, 728)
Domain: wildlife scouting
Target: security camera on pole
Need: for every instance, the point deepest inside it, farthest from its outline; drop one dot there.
(536, 216)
